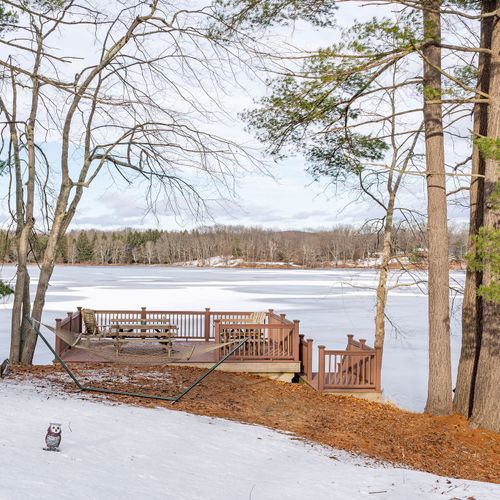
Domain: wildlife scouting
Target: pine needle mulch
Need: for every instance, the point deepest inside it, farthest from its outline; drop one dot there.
(440, 445)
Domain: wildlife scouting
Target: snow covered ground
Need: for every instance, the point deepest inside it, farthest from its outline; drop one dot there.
(329, 304)
(123, 452)
(230, 261)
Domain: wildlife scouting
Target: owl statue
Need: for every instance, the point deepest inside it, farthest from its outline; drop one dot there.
(53, 437)
(4, 369)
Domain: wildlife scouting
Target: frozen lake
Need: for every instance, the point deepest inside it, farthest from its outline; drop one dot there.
(328, 303)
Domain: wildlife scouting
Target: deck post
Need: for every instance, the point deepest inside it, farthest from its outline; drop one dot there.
(302, 354)
(70, 318)
(350, 338)
(59, 341)
(362, 343)
(79, 320)
(270, 315)
(378, 369)
(309, 374)
(282, 318)
(206, 328)
(143, 313)
(217, 337)
(296, 339)
(321, 368)
(60, 345)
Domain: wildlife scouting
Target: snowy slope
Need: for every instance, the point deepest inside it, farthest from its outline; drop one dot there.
(123, 452)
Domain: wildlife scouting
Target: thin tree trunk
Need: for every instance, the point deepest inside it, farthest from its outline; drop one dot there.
(23, 230)
(22, 282)
(439, 395)
(486, 408)
(25, 221)
(472, 303)
(62, 218)
(384, 274)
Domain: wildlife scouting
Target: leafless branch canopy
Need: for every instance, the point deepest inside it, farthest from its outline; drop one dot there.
(132, 89)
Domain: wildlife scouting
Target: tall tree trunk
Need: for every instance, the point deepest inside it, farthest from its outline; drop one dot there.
(25, 219)
(486, 407)
(62, 218)
(20, 290)
(384, 274)
(23, 230)
(472, 303)
(439, 395)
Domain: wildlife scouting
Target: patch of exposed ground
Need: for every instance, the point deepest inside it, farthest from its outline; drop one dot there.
(441, 445)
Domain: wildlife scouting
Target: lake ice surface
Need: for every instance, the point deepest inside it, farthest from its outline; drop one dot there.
(328, 303)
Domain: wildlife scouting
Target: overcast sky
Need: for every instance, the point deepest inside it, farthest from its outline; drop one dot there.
(286, 198)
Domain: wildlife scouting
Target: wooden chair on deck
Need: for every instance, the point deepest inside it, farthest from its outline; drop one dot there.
(254, 336)
(90, 322)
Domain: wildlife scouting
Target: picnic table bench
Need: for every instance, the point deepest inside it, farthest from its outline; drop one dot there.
(125, 330)
(140, 329)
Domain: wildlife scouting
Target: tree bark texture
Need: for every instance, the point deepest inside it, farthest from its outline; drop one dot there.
(439, 395)
(382, 290)
(486, 405)
(472, 303)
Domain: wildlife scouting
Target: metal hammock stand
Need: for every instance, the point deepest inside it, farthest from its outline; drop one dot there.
(172, 399)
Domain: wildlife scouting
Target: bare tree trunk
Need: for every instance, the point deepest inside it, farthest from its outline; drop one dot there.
(384, 274)
(30, 339)
(22, 285)
(439, 395)
(23, 230)
(472, 303)
(486, 409)
(25, 221)
(62, 218)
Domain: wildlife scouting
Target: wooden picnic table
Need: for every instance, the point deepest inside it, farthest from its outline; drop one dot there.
(140, 329)
(138, 320)
(144, 327)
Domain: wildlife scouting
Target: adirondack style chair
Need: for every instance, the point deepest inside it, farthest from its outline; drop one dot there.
(90, 323)
(255, 336)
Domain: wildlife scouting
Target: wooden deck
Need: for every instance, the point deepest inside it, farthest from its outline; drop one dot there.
(271, 350)
(274, 346)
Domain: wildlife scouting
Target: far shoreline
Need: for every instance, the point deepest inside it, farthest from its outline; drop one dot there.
(454, 266)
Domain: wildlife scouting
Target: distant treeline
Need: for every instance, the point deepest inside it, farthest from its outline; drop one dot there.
(337, 246)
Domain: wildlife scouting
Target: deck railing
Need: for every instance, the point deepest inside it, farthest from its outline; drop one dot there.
(356, 368)
(306, 356)
(279, 337)
(273, 341)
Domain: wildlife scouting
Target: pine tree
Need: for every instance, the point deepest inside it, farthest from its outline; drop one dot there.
(84, 248)
(5, 289)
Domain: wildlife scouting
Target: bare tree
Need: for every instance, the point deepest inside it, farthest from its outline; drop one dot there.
(418, 33)
(137, 108)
